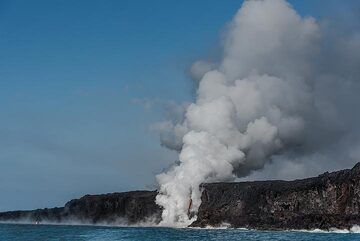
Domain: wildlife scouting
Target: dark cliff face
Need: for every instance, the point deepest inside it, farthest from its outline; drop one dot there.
(125, 208)
(331, 200)
(122, 208)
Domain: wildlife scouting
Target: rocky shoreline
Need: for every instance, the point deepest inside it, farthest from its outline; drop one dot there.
(331, 200)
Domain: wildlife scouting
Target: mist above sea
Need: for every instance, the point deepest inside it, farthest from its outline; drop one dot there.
(29, 232)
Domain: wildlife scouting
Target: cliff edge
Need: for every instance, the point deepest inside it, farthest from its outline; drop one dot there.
(331, 200)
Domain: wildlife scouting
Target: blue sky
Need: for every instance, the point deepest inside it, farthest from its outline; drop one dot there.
(69, 74)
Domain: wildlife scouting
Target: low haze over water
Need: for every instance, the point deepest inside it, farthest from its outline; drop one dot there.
(16, 232)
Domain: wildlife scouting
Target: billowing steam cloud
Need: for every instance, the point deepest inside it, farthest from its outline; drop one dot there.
(268, 96)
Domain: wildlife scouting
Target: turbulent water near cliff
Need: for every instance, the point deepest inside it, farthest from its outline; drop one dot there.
(16, 232)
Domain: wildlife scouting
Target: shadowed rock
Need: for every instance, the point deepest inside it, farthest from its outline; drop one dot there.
(327, 201)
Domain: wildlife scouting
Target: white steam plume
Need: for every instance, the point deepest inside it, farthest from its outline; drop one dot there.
(261, 99)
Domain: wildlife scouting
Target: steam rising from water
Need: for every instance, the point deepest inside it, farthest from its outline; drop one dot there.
(263, 98)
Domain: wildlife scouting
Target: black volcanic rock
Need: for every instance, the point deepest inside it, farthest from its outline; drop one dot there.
(331, 200)
(115, 208)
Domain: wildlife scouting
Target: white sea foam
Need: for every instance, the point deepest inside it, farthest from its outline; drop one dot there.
(354, 229)
(224, 226)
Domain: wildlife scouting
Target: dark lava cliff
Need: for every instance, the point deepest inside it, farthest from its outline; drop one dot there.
(327, 201)
(331, 200)
(124, 208)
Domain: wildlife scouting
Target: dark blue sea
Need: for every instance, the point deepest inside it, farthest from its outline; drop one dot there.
(27, 232)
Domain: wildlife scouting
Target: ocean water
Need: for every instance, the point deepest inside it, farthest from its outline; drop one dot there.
(28, 232)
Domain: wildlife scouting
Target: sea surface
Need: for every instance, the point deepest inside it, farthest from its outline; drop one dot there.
(29, 232)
